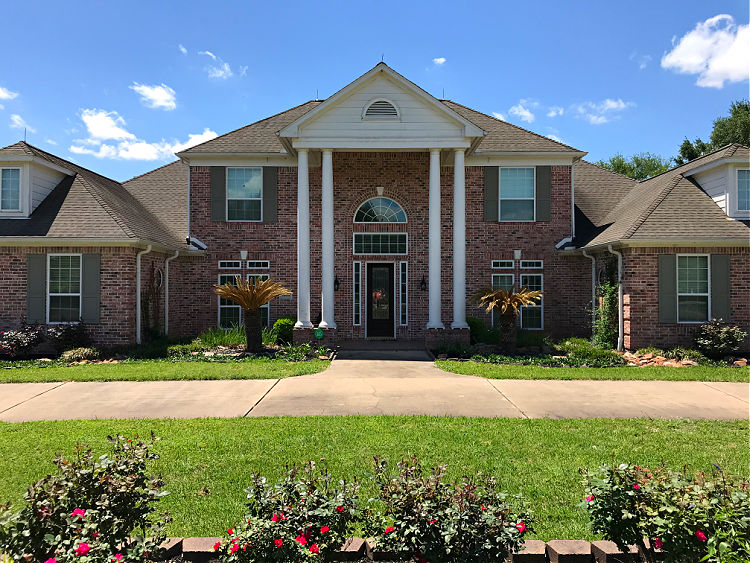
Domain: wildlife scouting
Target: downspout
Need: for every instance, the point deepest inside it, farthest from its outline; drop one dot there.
(593, 289)
(138, 293)
(620, 307)
(166, 291)
(572, 202)
(188, 204)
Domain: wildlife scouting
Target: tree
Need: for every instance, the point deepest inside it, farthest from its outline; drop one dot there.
(692, 150)
(726, 130)
(251, 295)
(508, 304)
(639, 167)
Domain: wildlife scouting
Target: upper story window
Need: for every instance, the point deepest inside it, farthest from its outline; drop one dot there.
(743, 190)
(10, 189)
(517, 201)
(380, 210)
(380, 109)
(245, 194)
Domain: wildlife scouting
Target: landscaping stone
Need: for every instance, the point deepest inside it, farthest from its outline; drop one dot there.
(535, 551)
(569, 551)
(352, 550)
(659, 554)
(374, 554)
(198, 549)
(172, 547)
(740, 363)
(605, 551)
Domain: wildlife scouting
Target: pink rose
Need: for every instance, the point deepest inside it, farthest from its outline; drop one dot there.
(658, 544)
(51, 559)
(521, 527)
(83, 548)
(118, 557)
(700, 535)
(589, 498)
(78, 512)
(636, 486)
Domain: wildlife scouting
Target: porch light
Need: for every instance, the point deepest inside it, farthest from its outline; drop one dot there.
(423, 284)
(336, 283)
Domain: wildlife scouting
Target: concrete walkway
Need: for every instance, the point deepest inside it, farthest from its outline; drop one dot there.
(375, 383)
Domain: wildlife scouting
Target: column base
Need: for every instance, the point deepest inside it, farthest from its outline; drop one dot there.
(302, 324)
(307, 336)
(435, 326)
(327, 326)
(459, 325)
(433, 338)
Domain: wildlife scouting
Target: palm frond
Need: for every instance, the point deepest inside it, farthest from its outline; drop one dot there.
(504, 301)
(251, 294)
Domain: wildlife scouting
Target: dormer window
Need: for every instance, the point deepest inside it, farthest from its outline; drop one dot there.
(380, 109)
(10, 189)
(743, 190)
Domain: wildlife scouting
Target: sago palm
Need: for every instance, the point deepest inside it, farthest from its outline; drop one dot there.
(508, 305)
(251, 295)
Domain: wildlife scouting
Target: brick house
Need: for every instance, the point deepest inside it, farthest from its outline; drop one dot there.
(384, 210)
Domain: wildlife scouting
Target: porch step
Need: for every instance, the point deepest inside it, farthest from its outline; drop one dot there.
(381, 345)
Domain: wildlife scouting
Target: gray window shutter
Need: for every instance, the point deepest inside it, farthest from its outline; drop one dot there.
(90, 290)
(667, 288)
(543, 192)
(720, 287)
(218, 176)
(36, 288)
(270, 193)
(491, 179)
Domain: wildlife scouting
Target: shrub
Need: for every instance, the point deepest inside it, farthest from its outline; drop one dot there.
(717, 338)
(98, 507)
(606, 328)
(678, 353)
(215, 336)
(432, 519)
(17, 344)
(298, 353)
(692, 518)
(453, 349)
(269, 336)
(582, 353)
(532, 338)
(651, 350)
(175, 350)
(476, 329)
(284, 327)
(80, 354)
(68, 336)
(304, 516)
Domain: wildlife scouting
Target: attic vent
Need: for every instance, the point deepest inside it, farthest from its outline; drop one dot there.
(381, 109)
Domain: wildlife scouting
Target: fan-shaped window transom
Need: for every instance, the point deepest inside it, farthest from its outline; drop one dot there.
(380, 210)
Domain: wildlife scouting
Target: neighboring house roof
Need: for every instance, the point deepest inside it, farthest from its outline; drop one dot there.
(87, 206)
(667, 207)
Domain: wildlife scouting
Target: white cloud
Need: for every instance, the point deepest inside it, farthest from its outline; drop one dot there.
(243, 70)
(182, 49)
(17, 122)
(439, 61)
(498, 115)
(103, 125)
(523, 110)
(50, 142)
(555, 138)
(641, 60)
(554, 111)
(158, 96)
(195, 139)
(6, 94)
(220, 70)
(717, 50)
(598, 113)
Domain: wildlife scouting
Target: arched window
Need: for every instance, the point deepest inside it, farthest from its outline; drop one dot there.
(380, 210)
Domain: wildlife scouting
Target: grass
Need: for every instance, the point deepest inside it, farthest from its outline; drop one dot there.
(163, 369)
(501, 371)
(539, 458)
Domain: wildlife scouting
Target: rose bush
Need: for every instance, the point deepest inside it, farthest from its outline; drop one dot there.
(699, 518)
(303, 517)
(423, 515)
(92, 510)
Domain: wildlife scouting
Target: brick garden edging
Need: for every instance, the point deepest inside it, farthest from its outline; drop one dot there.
(200, 550)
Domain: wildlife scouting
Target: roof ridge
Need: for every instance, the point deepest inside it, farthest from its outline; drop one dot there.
(610, 171)
(254, 123)
(73, 164)
(511, 124)
(652, 207)
(115, 217)
(150, 171)
(713, 152)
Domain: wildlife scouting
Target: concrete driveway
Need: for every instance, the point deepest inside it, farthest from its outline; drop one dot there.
(375, 383)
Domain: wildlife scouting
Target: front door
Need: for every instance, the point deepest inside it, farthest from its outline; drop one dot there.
(380, 320)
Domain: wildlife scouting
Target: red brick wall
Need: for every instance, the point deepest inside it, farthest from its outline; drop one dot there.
(641, 297)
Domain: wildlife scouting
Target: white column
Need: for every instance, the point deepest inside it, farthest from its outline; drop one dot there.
(434, 242)
(459, 241)
(303, 241)
(326, 236)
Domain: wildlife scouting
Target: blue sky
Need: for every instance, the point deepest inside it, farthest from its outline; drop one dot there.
(117, 86)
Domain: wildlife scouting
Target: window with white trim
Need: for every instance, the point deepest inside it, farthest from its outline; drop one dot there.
(10, 189)
(230, 264)
(693, 288)
(64, 288)
(357, 294)
(532, 316)
(502, 264)
(532, 264)
(258, 264)
(517, 191)
(404, 292)
(245, 194)
(230, 314)
(265, 309)
(743, 190)
(380, 243)
(380, 210)
(501, 281)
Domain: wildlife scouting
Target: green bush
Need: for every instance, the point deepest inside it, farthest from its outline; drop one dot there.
(453, 350)
(284, 327)
(91, 507)
(269, 336)
(606, 326)
(428, 518)
(651, 350)
(717, 339)
(305, 516)
(298, 353)
(174, 350)
(700, 518)
(476, 329)
(80, 354)
(679, 353)
(215, 336)
(17, 344)
(582, 353)
(68, 336)
(532, 338)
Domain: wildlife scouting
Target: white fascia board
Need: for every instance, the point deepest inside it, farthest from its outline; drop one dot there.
(15, 159)
(80, 241)
(666, 243)
(241, 160)
(470, 130)
(382, 144)
(709, 166)
(521, 159)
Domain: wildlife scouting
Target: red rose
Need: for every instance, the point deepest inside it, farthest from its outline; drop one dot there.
(521, 527)
(388, 530)
(700, 535)
(324, 529)
(341, 509)
(230, 531)
(234, 549)
(278, 542)
(658, 544)
(217, 545)
(314, 548)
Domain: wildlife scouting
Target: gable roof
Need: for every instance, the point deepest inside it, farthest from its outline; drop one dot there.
(87, 205)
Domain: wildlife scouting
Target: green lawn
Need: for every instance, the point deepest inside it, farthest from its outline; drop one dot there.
(539, 458)
(500, 371)
(151, 370)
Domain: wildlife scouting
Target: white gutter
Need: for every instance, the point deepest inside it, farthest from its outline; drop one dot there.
(138, 293)
(188, 203)
(593, 288)
(620, 308)
(166, 291)
(572, 201)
